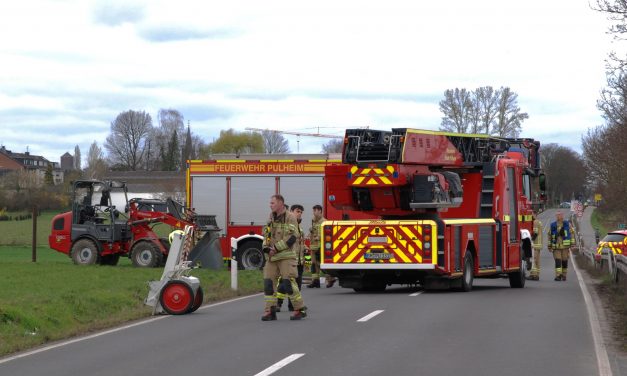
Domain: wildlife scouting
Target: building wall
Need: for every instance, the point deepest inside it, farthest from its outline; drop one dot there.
(67, 162)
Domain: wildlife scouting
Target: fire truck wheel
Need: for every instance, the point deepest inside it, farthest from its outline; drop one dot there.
(469, 272)
(517, 279)
(85, 252)
(249, 256)
(109, 260)
(145, 254)
(176, 298)
(198, 299)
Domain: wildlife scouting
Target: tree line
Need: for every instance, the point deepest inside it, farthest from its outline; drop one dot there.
(605, 146)
(134, 144)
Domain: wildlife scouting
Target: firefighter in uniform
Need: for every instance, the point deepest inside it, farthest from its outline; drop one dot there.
(536, 238)
(560, 241)
(315, 251)
(299, 249)
(279, 238)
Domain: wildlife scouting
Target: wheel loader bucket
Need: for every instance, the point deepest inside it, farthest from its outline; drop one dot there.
(207, 252)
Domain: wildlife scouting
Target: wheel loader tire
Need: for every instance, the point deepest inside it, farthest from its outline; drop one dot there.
(176, 298)
(85, 252)
(198, 300)
(145, 254)
(249, 256)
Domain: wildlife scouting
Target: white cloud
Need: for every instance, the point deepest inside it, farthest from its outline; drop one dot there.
(69, 67)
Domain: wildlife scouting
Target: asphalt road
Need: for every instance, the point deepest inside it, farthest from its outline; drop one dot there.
(542, 329)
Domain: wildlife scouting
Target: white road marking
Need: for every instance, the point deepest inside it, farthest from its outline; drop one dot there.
(370, 315)
(416, 293)
(603, 361)
(278, 365)
(69, 342)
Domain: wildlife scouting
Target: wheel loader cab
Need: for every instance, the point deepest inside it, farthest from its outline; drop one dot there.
(94, 214)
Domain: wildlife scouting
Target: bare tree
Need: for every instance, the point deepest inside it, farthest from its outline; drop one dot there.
(457, 108)
(509, 118)
(126, 145)
(169, 121)
(274, 142)
(486, 103)
(333, 146)
(616, 11)
(96, 165)
(483, 110)
(77, 158)
(605, 147)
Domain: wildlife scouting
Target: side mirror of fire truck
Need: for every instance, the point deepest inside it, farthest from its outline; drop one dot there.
(542, 182)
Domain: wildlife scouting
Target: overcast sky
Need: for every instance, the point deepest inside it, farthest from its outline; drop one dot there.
(69, 67)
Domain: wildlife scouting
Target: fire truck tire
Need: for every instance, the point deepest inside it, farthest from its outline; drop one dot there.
(176, 298)
(198, 300)
(85, 252)
(517, 279)
(110, 259)
(468, 275)
(145, 254)
(249, 256)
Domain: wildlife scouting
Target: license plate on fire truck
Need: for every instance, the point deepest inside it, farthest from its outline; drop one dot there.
(378, 256)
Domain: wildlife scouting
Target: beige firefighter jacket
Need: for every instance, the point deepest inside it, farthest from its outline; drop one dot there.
(537, 234)
(277, 233)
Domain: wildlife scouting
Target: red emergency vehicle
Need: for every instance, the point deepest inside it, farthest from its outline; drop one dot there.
(453, 207)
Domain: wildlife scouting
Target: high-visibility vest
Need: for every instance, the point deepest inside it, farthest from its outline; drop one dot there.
(566, 239)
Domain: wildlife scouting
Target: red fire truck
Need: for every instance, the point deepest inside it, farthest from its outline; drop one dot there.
(237, 189)
(452, 207)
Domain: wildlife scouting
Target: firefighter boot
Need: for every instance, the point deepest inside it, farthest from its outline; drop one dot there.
(299, 314)
(314, 284)
(269, 314)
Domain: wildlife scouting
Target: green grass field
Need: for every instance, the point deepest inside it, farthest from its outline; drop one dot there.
(21, 232)
(52, 298)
